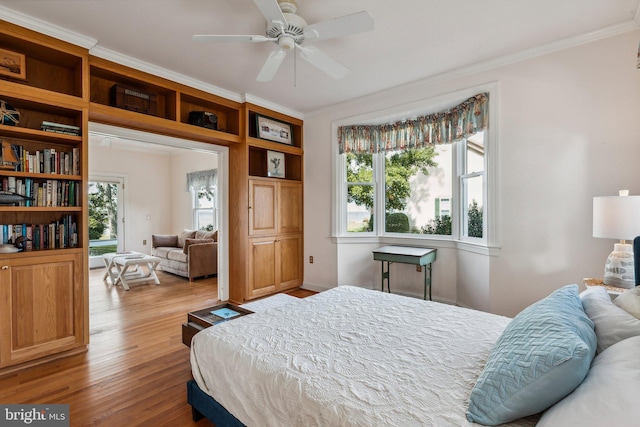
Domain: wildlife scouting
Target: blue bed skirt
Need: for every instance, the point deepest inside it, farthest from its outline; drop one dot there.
(203, 405)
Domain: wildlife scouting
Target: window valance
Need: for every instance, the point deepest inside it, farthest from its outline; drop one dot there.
(444, 127)
(202, 179)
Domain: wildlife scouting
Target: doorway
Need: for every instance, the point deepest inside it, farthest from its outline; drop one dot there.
(147, 219)
(106, 217)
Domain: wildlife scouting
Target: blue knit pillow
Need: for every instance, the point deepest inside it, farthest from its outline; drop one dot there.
(542, 356)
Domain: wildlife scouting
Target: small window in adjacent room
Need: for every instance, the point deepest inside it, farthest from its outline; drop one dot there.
(204, 209)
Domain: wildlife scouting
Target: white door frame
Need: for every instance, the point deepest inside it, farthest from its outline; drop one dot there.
(121, 180)
(223, 186)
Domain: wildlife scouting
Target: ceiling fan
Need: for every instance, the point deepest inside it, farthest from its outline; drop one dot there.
(291, 32)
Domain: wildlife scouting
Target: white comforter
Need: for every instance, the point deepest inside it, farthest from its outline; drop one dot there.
(347, 357)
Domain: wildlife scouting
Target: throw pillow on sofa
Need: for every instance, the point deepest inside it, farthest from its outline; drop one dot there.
(164, 240)
(200, 234)
(186, 234)
(189, 242)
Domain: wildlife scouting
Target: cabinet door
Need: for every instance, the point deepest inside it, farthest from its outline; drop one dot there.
(262, 263)
(42, 306)
(262, 207)
(290, 207)
(289, 261)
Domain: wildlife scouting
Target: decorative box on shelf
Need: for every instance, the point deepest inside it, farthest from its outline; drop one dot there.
(133, 99)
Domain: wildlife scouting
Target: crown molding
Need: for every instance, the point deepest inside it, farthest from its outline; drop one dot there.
(567, 43)
(44, 27)
(146, 67)
(272, 106)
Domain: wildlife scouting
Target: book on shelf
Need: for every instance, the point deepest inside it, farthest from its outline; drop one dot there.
(60, 128)
(47, 160)
(59, 234)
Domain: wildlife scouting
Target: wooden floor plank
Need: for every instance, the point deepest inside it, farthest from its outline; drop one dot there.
(136, 368)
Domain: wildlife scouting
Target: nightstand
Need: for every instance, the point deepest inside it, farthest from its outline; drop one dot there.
(613, 291)
(202, 319)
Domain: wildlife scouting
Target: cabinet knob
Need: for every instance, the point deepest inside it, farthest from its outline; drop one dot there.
(5, 267)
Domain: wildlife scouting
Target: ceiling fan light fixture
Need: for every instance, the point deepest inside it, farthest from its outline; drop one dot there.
(286, 42)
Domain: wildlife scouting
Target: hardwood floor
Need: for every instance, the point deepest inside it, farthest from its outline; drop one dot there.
(136, 368)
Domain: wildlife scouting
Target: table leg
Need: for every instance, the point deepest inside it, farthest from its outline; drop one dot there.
(386, 275)
(122, 278)
(152, 271)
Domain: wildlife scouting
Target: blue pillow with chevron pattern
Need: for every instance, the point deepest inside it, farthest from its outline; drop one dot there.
(543, 354)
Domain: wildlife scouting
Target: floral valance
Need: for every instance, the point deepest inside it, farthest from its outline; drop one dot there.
(202, 179)
(444, 127)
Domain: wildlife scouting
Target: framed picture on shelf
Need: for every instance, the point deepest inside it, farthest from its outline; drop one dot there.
(13, 64)
(275, 164)
(273, 130)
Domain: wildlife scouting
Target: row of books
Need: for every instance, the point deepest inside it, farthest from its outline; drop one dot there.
(60, 128)
(48, 160)
(44, 193)
(60, 234)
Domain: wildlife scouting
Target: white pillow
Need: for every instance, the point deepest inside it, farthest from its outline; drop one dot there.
(629, 301)
(612, 324)
(609, 394)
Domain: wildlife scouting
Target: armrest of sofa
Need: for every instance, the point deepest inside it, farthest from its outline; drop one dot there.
(164, 240)
(202, 259)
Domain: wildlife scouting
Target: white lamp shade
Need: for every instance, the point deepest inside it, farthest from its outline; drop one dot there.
(616, 217)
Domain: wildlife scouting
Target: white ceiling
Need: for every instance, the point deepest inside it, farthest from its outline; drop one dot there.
(412, 39)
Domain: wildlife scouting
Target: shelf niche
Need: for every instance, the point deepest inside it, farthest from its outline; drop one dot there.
(102, 82)
(258, 164)
(46, 68)
(228, 117)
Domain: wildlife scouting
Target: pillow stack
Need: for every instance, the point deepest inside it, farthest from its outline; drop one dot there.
(542, 356)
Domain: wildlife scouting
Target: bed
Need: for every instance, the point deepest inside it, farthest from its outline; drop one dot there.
(356, 357)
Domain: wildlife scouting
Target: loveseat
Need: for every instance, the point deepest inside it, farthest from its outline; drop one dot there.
(192, 253)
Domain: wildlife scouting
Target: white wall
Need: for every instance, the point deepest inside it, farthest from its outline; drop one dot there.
(569, 130)
(156, 189)
(148, 183)
(182, 163)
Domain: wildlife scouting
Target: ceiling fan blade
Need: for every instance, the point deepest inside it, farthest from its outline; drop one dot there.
(271, 11)
(322, 61)
(359, 22)
(230, 38)
(270, 67)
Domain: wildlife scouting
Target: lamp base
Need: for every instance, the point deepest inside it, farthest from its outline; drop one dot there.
(619, 268)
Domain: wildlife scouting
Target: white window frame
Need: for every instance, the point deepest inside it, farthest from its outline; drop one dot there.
(490, 175)
(195, 209)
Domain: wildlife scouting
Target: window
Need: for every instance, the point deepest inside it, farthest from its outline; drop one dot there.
(416, 177)
(472, 186)
(360, 193)
(202, 185)
(204, 209)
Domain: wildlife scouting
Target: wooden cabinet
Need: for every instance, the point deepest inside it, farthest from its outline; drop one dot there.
(41, 306)
(275, 264)
(267, 246)
(274, 207)
(43, 295)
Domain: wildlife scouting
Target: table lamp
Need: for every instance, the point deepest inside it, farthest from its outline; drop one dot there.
(618, 217)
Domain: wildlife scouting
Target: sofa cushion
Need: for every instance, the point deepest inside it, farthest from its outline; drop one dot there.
(158, 240)
(177, 255)
(189, 242)
(162, 251)
(200, 234)
(186, 234)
